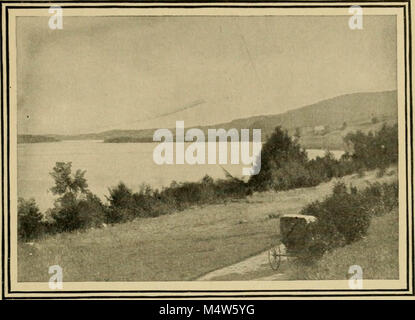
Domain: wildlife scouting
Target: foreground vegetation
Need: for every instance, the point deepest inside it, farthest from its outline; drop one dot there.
(345, 216)
(284, 166)
(350, 230)
(179, 246)
(377, 254)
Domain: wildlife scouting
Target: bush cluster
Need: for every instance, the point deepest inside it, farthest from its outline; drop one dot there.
(284, 164)
(344, 216)
(125, 205)
(77, 208)
(29, 219)
(374, 150)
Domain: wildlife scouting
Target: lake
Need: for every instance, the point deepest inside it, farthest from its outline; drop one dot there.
(106, 164)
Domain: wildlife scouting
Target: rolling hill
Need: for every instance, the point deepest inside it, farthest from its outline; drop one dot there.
(319, 125)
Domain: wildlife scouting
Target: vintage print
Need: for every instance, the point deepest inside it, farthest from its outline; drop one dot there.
(201, 149)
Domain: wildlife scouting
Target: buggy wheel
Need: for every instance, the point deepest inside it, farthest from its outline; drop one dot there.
(274, 257)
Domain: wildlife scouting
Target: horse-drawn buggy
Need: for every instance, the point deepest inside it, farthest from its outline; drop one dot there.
(297, 239)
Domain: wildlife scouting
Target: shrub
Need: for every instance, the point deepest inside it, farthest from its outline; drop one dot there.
(344, 216)
(66, 182)
(290, 175)
(121, 204)
(152, 203)
(375, 150)
(29, 219)
(231, 188)
(380, 198)
(277, 152)
(347, 213)
(324, 168)
(341, 217)
(66, 215)
(71, 189)
(92, 212)
(124, 205)
(120, 196)
(72, 214)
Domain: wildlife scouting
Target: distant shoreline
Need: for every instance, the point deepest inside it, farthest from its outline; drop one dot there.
(28, 138)
(128, 140)
(310, 145)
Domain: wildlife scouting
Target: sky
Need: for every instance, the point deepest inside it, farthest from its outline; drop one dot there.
(105, 73)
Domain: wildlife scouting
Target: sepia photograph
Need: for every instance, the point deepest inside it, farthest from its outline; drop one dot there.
(206, 148)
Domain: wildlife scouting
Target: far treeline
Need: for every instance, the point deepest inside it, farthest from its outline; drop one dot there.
(284, 165)
(28, 138)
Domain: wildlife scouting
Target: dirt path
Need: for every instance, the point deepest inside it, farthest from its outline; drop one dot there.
(253, 268)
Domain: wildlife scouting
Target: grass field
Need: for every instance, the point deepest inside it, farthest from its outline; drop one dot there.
(377, 254)
(179, 246)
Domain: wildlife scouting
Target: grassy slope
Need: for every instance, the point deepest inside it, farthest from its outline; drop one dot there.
(377, 254)
(180, 246)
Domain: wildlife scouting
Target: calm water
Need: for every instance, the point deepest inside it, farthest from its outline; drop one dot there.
(106, 165)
